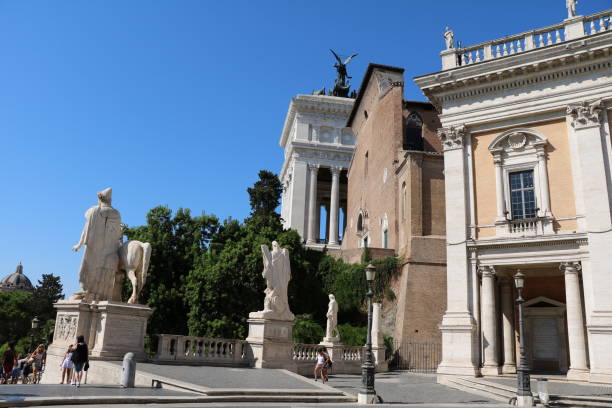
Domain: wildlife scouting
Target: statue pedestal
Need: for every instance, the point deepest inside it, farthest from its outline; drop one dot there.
(271, 343)
(111, 329)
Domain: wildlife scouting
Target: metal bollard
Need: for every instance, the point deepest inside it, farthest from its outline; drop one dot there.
(128, 374)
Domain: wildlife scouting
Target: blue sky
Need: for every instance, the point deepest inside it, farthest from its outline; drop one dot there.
(181, 102)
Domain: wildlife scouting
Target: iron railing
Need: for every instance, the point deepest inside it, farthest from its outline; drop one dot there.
(416, 357)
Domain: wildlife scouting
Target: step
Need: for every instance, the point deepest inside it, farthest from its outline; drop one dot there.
(482, 388)
(580, 401)
(233, 391)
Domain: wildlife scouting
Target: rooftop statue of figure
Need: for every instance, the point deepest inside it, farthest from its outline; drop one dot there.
(571, 8)
(449, 38)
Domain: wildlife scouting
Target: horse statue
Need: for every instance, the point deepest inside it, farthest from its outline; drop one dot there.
(134, 259)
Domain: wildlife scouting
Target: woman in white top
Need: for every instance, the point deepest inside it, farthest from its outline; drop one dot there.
(67, 365)
(320, 365)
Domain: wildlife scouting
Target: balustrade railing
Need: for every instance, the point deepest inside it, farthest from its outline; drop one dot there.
(529, 40)
(523, 227)
(308, 352)
(199, 349)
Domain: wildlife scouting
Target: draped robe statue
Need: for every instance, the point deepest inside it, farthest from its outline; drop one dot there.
(277, 273)
(102, 237)
(331, 333)
(571, 8)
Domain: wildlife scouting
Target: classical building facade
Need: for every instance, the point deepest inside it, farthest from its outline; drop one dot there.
(527, 151)
(318, 149)
(396, 200)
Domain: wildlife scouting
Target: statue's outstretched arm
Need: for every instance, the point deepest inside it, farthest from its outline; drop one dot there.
(83, 235)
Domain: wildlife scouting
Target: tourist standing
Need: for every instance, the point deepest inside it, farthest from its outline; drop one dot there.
(80, 356)
(320, 365)
(8, 361)
(67, 365)
(38, 358)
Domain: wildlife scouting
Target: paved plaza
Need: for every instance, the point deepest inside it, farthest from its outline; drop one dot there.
(561, 387)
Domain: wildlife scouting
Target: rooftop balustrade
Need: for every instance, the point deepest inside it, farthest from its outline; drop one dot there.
(569, 29)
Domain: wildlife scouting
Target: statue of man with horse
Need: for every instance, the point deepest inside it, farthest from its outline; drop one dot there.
(107, 259)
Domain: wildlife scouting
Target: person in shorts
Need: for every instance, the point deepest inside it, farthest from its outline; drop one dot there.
(80, 356)
(38, 361)
(8, 361)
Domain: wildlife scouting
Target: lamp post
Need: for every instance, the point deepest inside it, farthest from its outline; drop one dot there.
(524, 397)
(34, 327)
(367, 393)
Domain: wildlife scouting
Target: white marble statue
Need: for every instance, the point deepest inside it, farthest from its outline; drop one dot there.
(571, 8)
(107, 258)
(102, 237)
(449, 38)
(277, 273)
(332, 333)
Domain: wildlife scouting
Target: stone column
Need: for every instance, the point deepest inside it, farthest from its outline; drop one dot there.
(459, 340)
(507, 305)
(312, 204)
(326, 222)
(334, 205)
(499, 188)
(543, 169)
(588, 127)
(489, 322)
(575, 322)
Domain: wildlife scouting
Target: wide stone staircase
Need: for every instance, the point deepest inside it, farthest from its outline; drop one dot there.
(506, 393)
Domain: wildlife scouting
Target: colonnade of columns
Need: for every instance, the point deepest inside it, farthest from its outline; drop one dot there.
(314, 206)
(492, 350)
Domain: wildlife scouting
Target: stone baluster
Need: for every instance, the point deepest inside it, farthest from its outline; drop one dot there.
(575, 321)
(518, 46)
(504, 50)
(548, 38)
(511, 47)
(592, 29)
(529, 42)
(477, 55)
(557, 36)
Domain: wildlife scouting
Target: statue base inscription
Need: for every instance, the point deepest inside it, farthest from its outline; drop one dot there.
(271, 343)
(111, 329)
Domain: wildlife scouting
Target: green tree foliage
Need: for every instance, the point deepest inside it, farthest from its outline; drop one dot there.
(48, 291)
(306, 330)
(265, 194)
(352, 335)
(177, 242)
(15, 315)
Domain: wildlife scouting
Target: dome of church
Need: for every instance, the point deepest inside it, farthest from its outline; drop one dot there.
(16, 281)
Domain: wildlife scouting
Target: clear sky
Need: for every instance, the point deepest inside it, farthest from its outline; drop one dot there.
(181, 102)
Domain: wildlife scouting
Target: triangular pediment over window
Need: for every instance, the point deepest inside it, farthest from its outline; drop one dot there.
(542, 301)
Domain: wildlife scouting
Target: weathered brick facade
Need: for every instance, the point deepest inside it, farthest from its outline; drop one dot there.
(396, 200)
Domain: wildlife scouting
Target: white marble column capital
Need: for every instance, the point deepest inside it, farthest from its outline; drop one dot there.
(453, 137)
(335, 170)
(313, 167)
(585, 114)
(486, 271)
(572, 267)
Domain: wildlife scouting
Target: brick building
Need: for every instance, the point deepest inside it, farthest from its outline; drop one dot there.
(396, 200)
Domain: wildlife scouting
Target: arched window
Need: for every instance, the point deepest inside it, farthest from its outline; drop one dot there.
(403, 198)
(360, 224)
(413, 134)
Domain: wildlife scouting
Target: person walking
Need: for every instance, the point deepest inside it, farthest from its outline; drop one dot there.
(8, 361)
(80, 356)
(38, 358)
(67, 365)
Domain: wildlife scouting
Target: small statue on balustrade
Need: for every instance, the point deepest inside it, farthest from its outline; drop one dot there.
(331, 333)
(449, 38)
(571, 8)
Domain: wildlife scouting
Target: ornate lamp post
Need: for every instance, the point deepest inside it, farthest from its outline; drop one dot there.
(367, 393)
(34, 327)
(524, 396)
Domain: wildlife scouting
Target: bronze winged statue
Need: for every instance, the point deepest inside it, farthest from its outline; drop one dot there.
(342, 86)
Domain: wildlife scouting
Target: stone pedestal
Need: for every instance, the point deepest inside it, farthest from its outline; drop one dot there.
(111, 329)
(271, 343)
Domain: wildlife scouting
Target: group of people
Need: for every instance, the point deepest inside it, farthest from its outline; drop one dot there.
(324, 363)
(75, 361)
(28, 369)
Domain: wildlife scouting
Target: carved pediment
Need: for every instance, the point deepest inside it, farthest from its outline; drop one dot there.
(517, 140)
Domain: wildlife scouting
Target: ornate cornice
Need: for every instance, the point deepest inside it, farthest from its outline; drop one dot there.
(585, 114)
(452, 137)
(513, 243)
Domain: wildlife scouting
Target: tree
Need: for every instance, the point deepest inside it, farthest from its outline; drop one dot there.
(15, 315)
(48, 291)
(265, 194)
(177, 242)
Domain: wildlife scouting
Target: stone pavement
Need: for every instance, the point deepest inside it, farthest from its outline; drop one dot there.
(560, 387)
(20, 391)
(409, 388)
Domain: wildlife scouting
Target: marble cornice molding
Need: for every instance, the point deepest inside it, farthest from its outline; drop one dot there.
(585, 114)
(331, 158)
(512, 243)
(515, 71)
(452, 137)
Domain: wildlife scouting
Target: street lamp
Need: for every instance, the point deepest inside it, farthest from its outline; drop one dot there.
(367, 393)
(34, 327)
(524, 397)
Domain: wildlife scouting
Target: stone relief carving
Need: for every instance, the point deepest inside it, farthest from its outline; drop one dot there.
(517, 140)
(66, 327)
(452, 137)
(585, 114)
